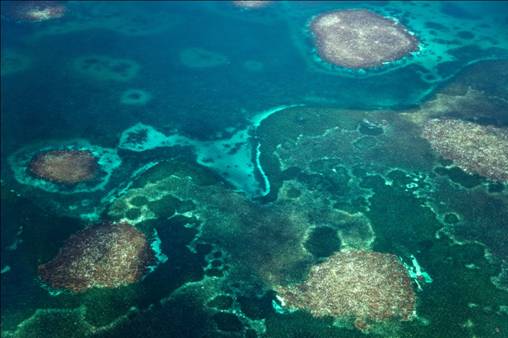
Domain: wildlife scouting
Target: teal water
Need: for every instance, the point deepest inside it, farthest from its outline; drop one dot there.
(250, 161)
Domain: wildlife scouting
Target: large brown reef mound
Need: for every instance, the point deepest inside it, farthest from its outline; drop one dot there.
(105, 256)
(360, 38)
(473, 147)
(367, 287)
(64, 166)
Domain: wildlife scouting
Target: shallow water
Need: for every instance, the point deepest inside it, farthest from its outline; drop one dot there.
(246, 160)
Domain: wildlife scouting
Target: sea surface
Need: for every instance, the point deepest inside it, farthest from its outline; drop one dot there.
(246, 160)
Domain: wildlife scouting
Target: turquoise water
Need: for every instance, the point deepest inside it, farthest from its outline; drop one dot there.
(246, 160)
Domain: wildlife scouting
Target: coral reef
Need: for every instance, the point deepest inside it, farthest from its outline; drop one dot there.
(103, 67)
(13, 62)
(74, 160)
(136, 97)
(251, 4)
(127, 20)
(35, 11)
(360, 38)
(333, 143)
(236, 224)
(473, 147)
(253, 66)
(228, 219)
(478, 93)
(64, 166)
(201, 58)
(105, 256)
(368, 287)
